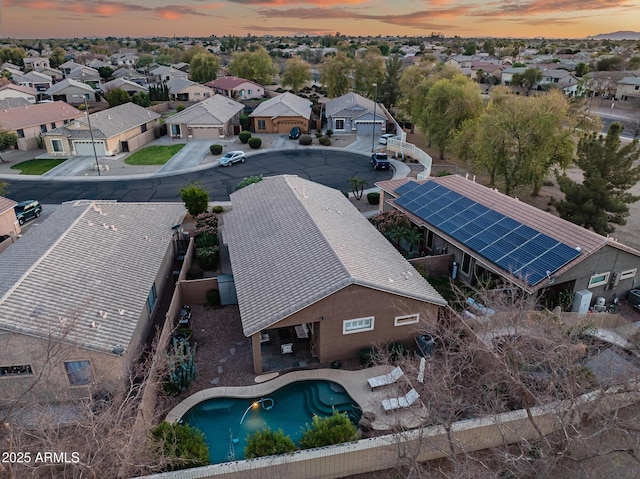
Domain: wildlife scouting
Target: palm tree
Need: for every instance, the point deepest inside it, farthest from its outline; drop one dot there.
(414, 237)
(357, 186)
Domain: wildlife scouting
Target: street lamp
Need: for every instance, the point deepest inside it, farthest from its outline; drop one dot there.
(375, 104)
(93, 143)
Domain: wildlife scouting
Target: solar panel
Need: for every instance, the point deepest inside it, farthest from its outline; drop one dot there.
(408, 186)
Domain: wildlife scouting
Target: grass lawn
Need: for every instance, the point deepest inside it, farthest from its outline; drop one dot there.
(37, 167)
(153, 155)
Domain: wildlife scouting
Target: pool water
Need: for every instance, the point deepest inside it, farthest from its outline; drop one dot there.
(293, 407)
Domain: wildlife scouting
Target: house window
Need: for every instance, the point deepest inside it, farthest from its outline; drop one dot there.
(598, 279)
(143, 128)
(151, 299)
(465, 268)
(357, 325)
(43, 128)
(53, 125)
(430, 237)
(56, 145)
(407, 319)
(22, 370)
(262, 124)
(79, 372)
(628, 274)
(248, 92)
(20, 133)
(339, 124)
(175, 130)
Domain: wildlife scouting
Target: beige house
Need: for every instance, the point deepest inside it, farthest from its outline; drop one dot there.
(72, 92)
(30, 122)
(125, 85)
(628, 88)
(236, 88)
(77, 300)
(181, 89)
(9, 225)
(18, 91)
(215, 117)
(281, 113)
(35, 63)
(123, 128)
(304, 259)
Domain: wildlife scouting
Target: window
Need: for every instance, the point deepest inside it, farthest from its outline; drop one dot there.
(56, 145)
(408, 319)
(465, 268)
(43, 128)
(23, 370)
(262, 124)
(430, 237)
(248, 92)
(143, 127)
(357, 325)
(175, 130)
(598, 279)
(79, 372)
(628, 274)
(339, 124)
(151, 299)
(20, 133)
(53, 125)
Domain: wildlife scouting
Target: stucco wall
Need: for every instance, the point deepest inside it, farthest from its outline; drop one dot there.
(9, 224)
(281, 124)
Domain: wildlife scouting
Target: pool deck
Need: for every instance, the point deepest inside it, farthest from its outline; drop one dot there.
(355, 383)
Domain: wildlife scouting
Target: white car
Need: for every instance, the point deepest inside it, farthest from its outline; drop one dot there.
(231, 158)
(383, 139)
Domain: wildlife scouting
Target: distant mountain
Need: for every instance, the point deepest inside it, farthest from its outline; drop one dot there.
(626, 35)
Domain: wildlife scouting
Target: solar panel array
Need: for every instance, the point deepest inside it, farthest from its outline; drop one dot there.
(522, 251)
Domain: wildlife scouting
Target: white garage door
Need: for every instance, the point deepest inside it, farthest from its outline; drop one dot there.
(84, 148)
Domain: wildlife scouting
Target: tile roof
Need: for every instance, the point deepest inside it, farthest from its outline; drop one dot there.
(6, 204)
(66, 83)
(228, 83)
(57, 278)
(293, 242)
(350, 105)
(116, 120)
(213, 111)
(286, 104)
(177, 85)
(7, 103)
(38, 114)
(24, 89)
(123, 84)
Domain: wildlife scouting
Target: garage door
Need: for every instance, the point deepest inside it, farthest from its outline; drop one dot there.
(366, 128)
(84, 148)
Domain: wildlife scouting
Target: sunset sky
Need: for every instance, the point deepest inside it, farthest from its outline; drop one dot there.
(466, 18)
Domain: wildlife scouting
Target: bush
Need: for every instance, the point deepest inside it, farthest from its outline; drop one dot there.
(244, 136)
(179, 108)
(254, 143)
(368, 357)
(325, 141)
(373, 198)
(205, 239)
(213, 297)
(207, 221)
(183, 445)
(318, 134)
(196, 199)
(244, 122)
(443, 173)
(195, 273)
(329, 133)
(208, 257)
(248, 180)
(326, 431)
(305, 140)
(266, 442)
(215, 149)
(217, 209)
(397, 351)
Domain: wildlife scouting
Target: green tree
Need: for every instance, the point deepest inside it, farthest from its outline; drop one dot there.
(602, 199)
(449, 103)
(183, 445)
(105, 72)
(357, 186)
(368, 70)
(204, 67)
(326, 431)
(190, 53)
(296, 74)
(610, 63)
(141, 99)
(389, 91)
(145, 60)
(196, 199)
(266, 442)
(256, 66)
(527, 80)
(582, 69)
(634, 63)
(56, 58)
(117, 96)
(335, 74)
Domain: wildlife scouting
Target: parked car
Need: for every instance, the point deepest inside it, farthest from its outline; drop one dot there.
(380, 161)
(232, 157)
(295, 133)
(27, 210)
(383, 139)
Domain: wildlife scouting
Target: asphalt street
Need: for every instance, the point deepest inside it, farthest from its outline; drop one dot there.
(328, 166)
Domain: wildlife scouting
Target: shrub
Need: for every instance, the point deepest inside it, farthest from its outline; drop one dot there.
(373, 198)
(195, 273)
(325, 431)
(305, 140)
(329, 133)
(215, 149)
(207, 221)
(248, 180)
(208, 257)
(179, 108)
(443, 173)
(206, 239)
(397, 351)
(244, 136)
(266, 442)
(325, 141)
(217, 209)
(196, 199)
(213, 297)
(318, 134)
(185, 333)
(254, 143)
(368, 357)
(244, 122)
(183, 445)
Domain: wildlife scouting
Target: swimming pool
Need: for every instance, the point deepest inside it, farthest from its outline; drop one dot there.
(226, 421)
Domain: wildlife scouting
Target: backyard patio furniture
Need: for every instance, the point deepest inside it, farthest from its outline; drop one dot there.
(286, 348)
(385, 379)
(405, 401)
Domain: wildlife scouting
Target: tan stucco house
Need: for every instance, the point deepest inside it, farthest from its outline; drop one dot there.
(77, 299)
(123, 128)
(215, 117)
(304, 257)
(281, 113)
(236, 88)
(18, 91)
(181, 89)
(9, 225)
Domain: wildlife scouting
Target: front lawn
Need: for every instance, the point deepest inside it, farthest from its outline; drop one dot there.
(37, 167)
(153, 155)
